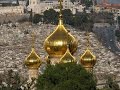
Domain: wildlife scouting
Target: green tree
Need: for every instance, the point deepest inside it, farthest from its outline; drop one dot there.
(27, 3)
(119, 19)
(50, 16)
(104, 17)
(117, 33)
(69, 76)
(11, 80)
(111, 84)
(17, 2)
(88, 3)
(37, 18)
(83, 21)
(68, 16)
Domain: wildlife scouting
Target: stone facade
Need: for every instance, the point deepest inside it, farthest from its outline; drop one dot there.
(12, 10)
(40, 6)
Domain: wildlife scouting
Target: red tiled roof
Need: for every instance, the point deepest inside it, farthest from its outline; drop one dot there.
(109, 5)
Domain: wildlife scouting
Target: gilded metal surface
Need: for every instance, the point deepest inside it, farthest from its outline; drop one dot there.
(33, 60)
(56, 43)
(67, 57)
(88, 60)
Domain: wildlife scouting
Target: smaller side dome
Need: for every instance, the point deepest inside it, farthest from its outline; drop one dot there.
(33, 60)
(67, 57)
(88, 60)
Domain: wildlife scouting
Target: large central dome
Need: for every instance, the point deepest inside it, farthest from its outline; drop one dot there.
(56, 43)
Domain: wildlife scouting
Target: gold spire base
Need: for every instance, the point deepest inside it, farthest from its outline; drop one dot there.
(89, 69)
(33, 73)
(52, 60)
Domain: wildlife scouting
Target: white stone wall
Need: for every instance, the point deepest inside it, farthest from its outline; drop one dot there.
(46, 5)
(12, 10)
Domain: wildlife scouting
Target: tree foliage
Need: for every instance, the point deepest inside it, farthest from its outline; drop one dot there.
(11, 80)
(37, 18)
(104, 17)
(117, 33)
(69, 76)
(79, 20)
(87, 3)
(68, 16)
(82, 20)
(50, 16)
(27, 2)
(119, 19)
(111, 84)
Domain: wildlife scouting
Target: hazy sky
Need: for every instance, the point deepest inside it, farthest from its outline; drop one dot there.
(113, 1)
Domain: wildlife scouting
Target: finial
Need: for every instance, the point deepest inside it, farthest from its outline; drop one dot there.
(60, 2)
(68, 46)
(60, 13)
(87, 38)
(33, 39)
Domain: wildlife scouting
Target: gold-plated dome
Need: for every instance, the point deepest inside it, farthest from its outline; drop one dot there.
(67, 57)
(56, 43)
(88, 60)
(33, 60)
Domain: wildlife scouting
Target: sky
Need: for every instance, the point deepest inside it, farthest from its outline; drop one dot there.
(113, 1)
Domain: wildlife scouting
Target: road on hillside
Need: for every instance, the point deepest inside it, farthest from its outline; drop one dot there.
(107, 36)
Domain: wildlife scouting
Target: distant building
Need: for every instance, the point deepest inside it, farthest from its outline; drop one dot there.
(11, 7)
(105, 6)
(22, 3)
(9, 2)
(40, 6)
(12, 10)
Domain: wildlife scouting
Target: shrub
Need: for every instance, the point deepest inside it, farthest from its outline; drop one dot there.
(69, 76)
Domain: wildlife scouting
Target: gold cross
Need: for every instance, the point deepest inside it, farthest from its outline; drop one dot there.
(33, 39)
(87, 38)
(60, 1)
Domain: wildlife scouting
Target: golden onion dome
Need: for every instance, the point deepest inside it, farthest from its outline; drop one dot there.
(88, 60)
(33, 60)
(67, 57)
(56, 43)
